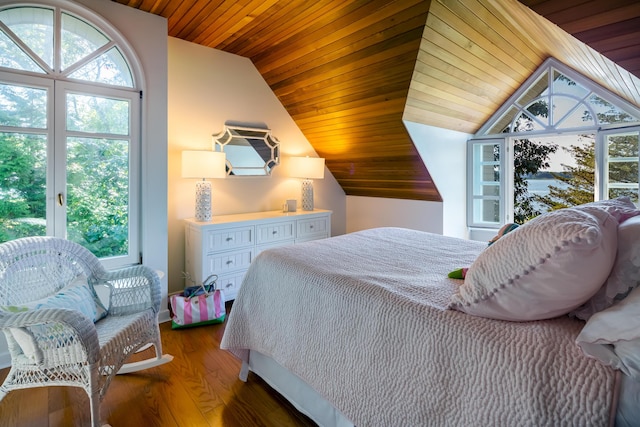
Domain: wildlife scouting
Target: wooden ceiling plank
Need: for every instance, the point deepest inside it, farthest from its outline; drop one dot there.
(343, 29)
(263, 26)
(453, 24)
(596, 14)
(362, 59)
(433, 78)
(229, 16)
(429, 64)
(439, 47)
(500, 34)
(286, 28)
(371, 36)
(419, 115)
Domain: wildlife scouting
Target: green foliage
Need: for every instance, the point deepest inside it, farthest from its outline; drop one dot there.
(579, 180)
(528, 158)
(96, 173)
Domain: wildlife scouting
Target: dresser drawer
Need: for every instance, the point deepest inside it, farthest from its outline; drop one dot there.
(229, 238)
(313, 228)
(230, 284)
(275, 232)
(221, 263)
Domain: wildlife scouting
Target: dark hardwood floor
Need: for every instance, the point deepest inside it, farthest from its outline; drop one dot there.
(199, 388)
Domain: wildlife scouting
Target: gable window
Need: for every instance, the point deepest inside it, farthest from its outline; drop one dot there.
(69, 130)
(559, 141)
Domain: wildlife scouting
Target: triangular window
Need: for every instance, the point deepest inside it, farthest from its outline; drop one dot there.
(559, 141)
(554, 99)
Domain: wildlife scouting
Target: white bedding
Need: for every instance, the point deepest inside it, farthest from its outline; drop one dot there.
(361, 318)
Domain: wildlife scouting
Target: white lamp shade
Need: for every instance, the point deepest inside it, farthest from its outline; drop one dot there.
(306, 167)
(203, 164)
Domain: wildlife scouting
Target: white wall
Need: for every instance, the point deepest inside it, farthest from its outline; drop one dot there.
(370, 212)
(147, 35)
(207, 88)
(444, 152)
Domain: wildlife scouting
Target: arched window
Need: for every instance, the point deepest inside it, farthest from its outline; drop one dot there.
(69, 129)
(560, 140)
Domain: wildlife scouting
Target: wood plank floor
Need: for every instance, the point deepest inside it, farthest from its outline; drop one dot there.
(199, 388)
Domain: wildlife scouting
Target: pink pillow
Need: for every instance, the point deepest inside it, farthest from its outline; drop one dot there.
(545, 268)
(621, 208)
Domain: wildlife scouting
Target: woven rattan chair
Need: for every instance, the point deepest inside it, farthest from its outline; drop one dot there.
(59, 346)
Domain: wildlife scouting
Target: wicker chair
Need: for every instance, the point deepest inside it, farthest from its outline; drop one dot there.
(60, 346)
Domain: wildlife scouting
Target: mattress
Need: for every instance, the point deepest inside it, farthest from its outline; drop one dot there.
(362, 319)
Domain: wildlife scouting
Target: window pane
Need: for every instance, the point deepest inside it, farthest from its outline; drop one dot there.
(98, 195)
(609, 113)
(22, 106)
(486, 205)
(34, 26)
(579, 117)
(563, 176)
(525, 123)
(623, 165)
(486, 211)
(94, 114)
(79, 40)
(109, 68)
(540, 110)
(22, 185)
(535, 90)
(563, 84)
(11, 56)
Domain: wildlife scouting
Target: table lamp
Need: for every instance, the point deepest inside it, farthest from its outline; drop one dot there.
(309, 168)
(203, 165)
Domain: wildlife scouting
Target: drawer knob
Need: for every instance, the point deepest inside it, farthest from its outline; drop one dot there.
(229, 285)
(229, 261)
(275, 232)
(311, 226)
(229, 239)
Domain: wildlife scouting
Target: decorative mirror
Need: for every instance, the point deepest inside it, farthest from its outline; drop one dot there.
(250, 151)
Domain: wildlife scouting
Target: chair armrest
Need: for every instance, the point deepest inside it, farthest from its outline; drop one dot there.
(48, 334)
(133, 289)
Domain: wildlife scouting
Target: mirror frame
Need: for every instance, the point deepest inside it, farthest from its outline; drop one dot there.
(261, 140)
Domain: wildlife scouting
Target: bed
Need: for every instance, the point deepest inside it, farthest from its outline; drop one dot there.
(367, 329)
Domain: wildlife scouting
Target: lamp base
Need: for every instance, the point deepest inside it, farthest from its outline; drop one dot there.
(203, 201)
(307, 195)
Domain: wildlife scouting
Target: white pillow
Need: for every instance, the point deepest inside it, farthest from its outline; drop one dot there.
(625, 274)
(612, 336)
(543, 269)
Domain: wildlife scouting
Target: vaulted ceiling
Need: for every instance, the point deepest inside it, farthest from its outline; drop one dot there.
(349, 71)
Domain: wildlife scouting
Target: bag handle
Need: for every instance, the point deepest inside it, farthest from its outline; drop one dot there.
(208, 282)
(211, 280)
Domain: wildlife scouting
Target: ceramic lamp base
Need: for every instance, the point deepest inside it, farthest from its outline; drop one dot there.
(203, 201)
(307, 195)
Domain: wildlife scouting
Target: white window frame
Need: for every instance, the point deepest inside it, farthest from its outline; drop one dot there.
(57, 83)
(506, 158)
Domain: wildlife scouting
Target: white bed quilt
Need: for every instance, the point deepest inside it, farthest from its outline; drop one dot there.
(362, 319)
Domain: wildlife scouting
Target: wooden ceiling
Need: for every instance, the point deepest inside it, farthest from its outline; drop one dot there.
(349, 71)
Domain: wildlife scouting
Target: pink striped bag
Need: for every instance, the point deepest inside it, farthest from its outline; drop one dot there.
(204, 308)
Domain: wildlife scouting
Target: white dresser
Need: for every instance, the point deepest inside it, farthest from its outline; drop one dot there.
(227, 244)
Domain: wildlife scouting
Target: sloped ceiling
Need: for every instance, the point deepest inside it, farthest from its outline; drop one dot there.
(349, 71)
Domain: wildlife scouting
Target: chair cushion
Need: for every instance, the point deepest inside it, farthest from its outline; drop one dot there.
(77, 295)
